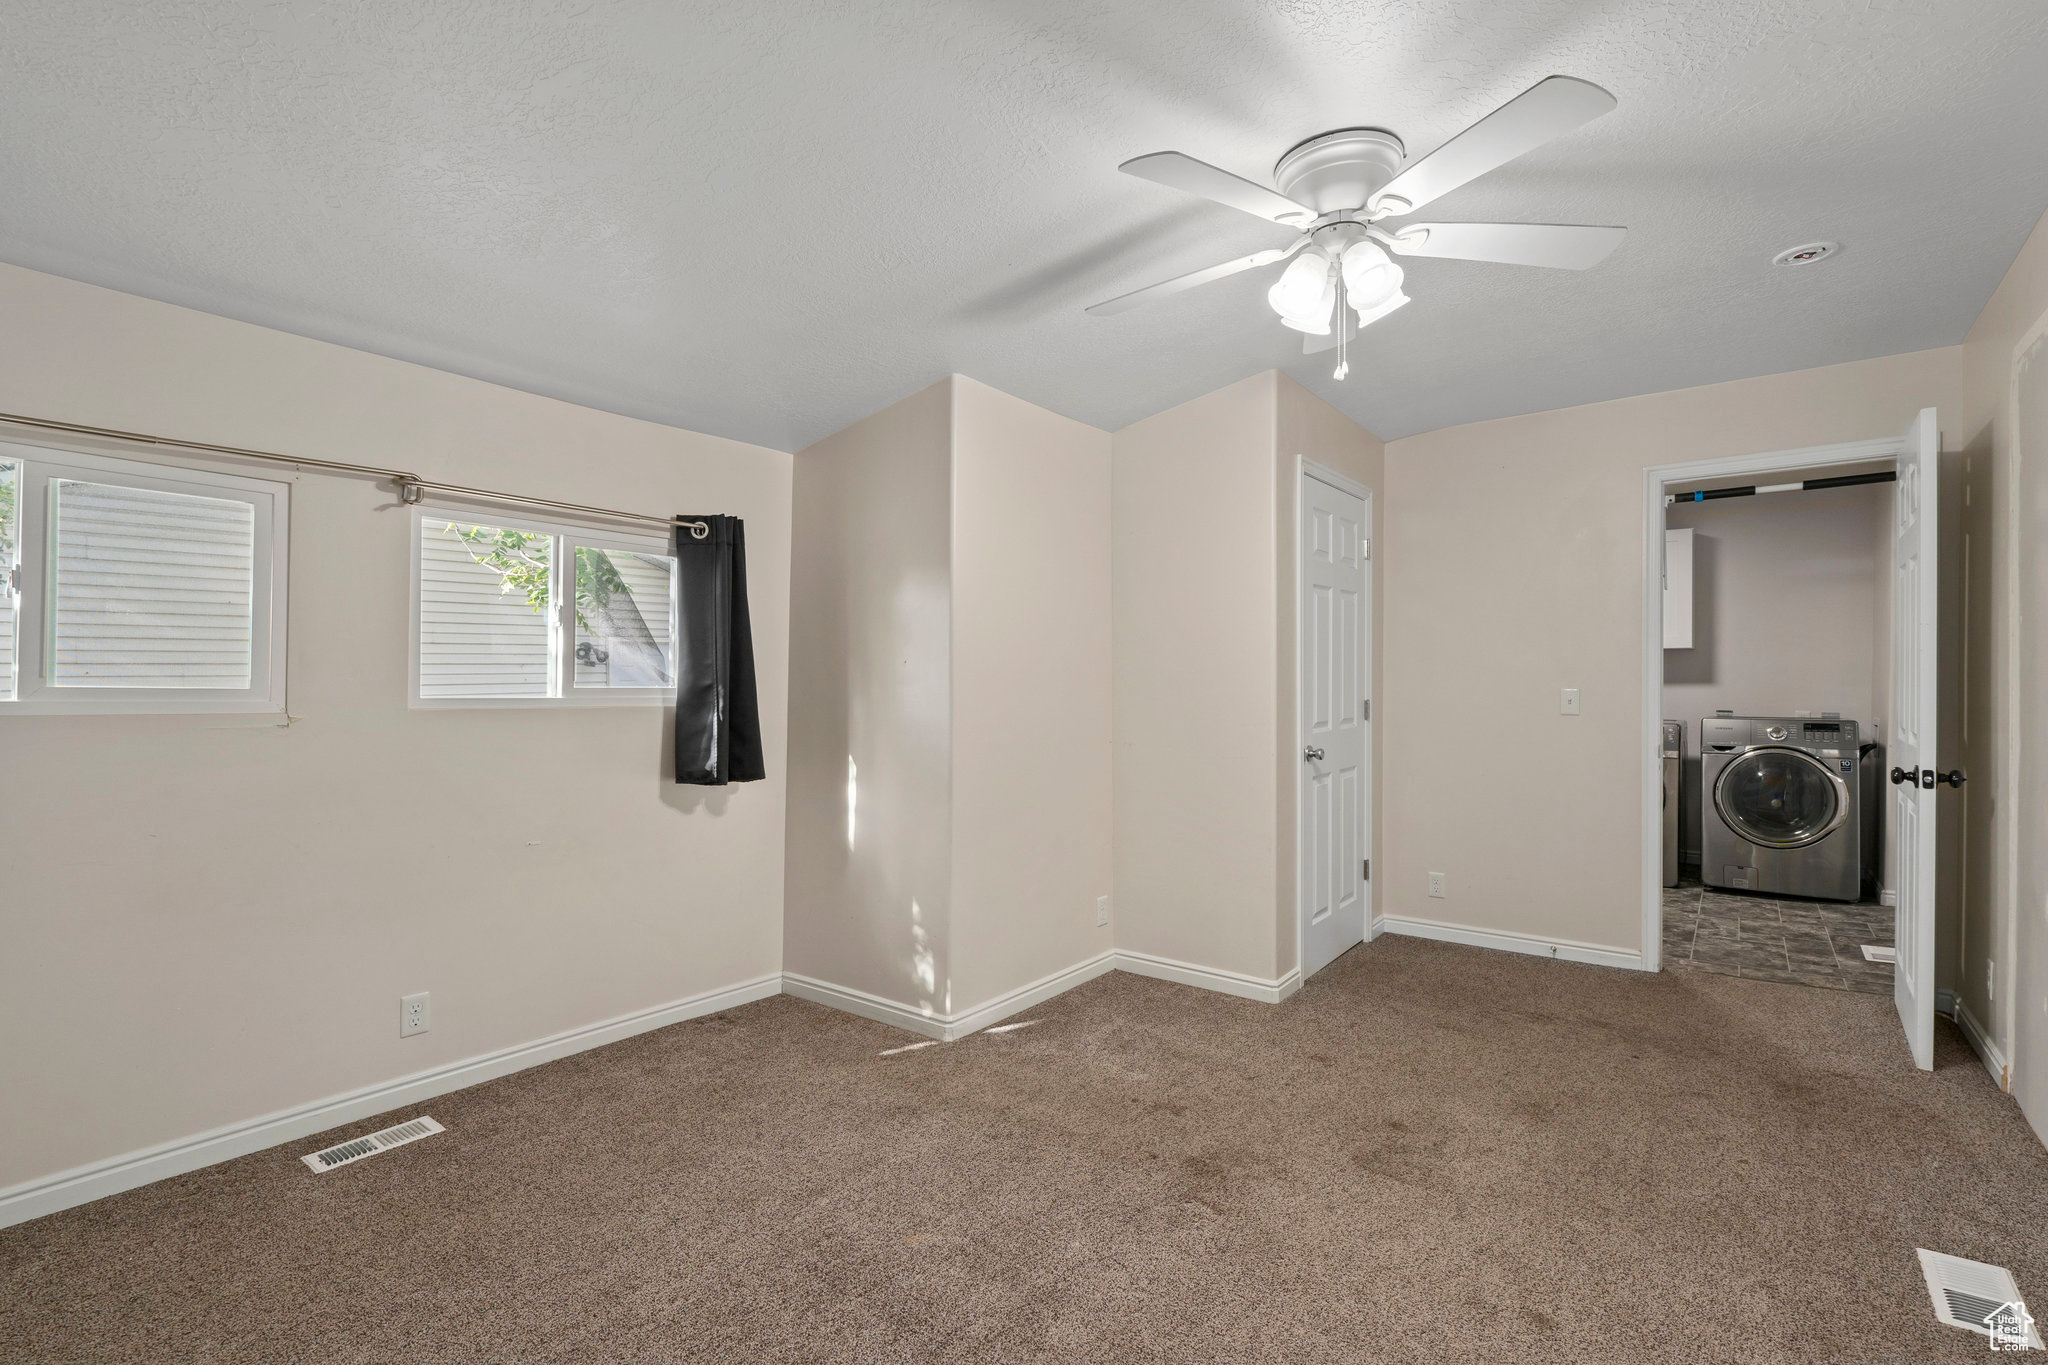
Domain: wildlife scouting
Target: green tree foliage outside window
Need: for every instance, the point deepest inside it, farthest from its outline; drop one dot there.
(10, 475)
(522, 559)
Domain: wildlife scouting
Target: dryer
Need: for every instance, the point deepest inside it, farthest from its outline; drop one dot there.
(1674, 766)
(1780, 806)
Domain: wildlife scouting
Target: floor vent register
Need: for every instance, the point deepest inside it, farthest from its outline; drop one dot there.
(357, 1149)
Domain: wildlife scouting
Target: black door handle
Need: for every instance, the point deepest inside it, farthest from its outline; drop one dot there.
(1903, 776)
(1954, 777)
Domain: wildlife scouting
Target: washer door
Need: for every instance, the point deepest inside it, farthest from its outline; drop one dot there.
(1781, 798)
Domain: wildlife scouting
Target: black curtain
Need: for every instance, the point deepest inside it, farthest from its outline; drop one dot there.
(718, 710)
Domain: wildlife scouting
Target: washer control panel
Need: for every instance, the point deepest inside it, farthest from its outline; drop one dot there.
(1829, 735)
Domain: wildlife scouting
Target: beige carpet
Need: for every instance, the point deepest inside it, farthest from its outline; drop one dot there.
(1432, 1153)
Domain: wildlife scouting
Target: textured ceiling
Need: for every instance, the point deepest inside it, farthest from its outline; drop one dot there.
(766, 221)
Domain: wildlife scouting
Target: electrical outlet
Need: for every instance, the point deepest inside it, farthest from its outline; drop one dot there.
(1569, 705)
(413, 1015)
(1101, 910)
(1436, 884)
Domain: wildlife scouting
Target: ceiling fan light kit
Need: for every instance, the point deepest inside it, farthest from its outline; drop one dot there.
(1306, 293)
(1334, 190)
(1370, 276)
(1368, 316)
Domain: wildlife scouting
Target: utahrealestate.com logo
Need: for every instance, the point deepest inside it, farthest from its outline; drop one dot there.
(2011, 1327)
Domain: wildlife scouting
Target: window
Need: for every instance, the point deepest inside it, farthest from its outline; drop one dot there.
(520, 613)
(134, 587)
(10, 570)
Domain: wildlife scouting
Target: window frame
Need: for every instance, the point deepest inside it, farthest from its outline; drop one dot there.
(568, 538)
(269, 599)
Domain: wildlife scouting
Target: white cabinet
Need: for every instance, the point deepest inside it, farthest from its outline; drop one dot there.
(1678, 588)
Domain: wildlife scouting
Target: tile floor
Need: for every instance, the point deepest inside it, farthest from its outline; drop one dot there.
(1801, 942)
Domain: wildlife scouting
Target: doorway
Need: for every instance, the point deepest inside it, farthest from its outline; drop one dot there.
(1333, 643)
(1779, 789)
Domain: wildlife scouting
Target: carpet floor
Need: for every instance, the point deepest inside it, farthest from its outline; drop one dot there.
(1431, 1153)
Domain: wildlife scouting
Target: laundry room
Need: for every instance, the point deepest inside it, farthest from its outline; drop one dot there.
(1776, 703)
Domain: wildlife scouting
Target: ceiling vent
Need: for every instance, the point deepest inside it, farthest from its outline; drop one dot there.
(1978, 1298)
(1806, 255)
(355, 1149)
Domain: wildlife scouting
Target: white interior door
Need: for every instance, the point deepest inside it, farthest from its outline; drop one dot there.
(1333, 710)
(1915, 645)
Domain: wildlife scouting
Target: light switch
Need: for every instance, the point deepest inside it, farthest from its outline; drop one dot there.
(1570, 705)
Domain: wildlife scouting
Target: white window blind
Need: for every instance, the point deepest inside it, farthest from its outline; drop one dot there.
(135, 586)
(480, 636)
(149, 588)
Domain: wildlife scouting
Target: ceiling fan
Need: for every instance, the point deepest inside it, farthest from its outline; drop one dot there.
(1338, 188)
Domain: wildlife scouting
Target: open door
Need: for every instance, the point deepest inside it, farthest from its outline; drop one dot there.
(1335, 525)
(1915, 644)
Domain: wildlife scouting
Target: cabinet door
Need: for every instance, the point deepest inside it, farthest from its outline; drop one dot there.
(1678, 588)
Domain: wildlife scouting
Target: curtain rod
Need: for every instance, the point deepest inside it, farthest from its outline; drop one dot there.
(412, 489)
(1752, 489)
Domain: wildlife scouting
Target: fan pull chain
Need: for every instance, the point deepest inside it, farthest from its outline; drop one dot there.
(1343, 334)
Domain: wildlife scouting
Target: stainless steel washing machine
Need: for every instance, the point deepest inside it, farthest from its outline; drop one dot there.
(1779, 806)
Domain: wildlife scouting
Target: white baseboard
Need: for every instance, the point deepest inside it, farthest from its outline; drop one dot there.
(952, 1027)
(946, 1028)
(1024, 997)
(1507, 942)
(1986, 1050)
(879, 1008)
(83, 1184)
(1210, 978)
(1887, 897)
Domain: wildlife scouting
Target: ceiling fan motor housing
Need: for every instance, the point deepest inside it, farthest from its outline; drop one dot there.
(1341, 171)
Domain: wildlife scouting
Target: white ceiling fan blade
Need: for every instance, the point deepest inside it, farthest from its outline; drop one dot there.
(1550, 108)
(1194, 277)
(1557, 245)
(1180, 172)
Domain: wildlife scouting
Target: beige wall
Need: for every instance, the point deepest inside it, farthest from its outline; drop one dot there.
(2007, 867)
(1513, 568)
(207, 920)
(870, 687)
(1207, 756)
(950, 629)
(1789, 593)
(1031, 669)
(1197, 702)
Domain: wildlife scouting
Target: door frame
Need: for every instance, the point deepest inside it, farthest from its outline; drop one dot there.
(1305, 469)
(2005, 829)
(1657, 481)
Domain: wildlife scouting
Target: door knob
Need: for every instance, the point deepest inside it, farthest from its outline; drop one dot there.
(1313, 754)
(1954, 777)
(1903, 777)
